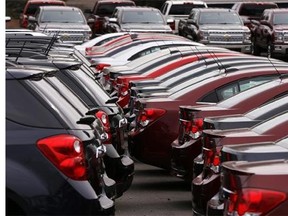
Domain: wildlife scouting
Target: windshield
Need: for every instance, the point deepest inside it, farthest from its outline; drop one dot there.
(219, 18)
(62, 16)
(184, 9)
(142, 17)
(280, 19)
(32, 8)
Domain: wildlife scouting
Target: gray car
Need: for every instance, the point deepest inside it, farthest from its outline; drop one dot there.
(137, 19)
(68, 23)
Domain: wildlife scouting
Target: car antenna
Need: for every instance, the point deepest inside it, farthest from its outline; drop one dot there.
(22, 48)
(202, 57)
(218, 62)
(51, 43)
(269, 59)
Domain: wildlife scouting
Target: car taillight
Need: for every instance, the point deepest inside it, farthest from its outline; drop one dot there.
(252, 201)
(103, 117)
(66, 152)
(100, 67)
(193, 128)
(211, 152)
(172, 25)
(149, 115)
(25, 23)
(97, 25)
(123, 90)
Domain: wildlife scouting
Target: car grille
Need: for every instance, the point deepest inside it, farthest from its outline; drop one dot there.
(285, 36)
(69, 36)
(226, 37)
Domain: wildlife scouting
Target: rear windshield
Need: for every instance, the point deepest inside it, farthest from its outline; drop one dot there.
(184, 9)
(32, 8)
(254, 9)
(107, 9)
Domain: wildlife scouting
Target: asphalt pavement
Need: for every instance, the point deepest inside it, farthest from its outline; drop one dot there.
(155, 192)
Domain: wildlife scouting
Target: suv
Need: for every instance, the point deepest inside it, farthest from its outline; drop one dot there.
(102, 9)
(216, 27)
(137, 19)
(252, 10)
(53, 153)
(68, 23)
(32, 6)
(176, 10)
(270, 34)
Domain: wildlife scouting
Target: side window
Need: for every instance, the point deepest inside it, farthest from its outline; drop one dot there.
(192, 15)
(24, 108)
(144, 52)
(164, 9)
(115, 14)
(234, 88)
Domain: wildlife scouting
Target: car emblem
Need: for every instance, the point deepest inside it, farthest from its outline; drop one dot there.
(227, 37)
(65, 36)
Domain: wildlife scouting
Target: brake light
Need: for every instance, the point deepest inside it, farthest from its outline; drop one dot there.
(172, 25)
(101, 66)
(66, 153)
(103, 117)
(194, 128)
(211, 152)
(123, 90)
(97, 25)
(149, 115)
(254, 201)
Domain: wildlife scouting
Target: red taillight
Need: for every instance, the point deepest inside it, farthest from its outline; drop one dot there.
(97, 25)
(149, 115)
(172, 25)
(103, 117)
(211, 152)
(101, 66)
(254, 201)
(66, 153)
(194, 128)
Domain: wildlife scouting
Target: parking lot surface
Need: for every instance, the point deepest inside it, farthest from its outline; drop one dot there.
(155, 192)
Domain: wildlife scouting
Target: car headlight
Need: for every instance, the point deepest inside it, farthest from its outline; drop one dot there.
(204, 35)
(247, 36)
(278, 36)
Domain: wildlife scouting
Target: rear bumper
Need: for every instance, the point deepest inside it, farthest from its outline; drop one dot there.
(203, 189)
(183, 157)
(121, 170)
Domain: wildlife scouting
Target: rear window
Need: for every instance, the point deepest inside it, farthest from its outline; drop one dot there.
(32, 8)
(24, 108)
(254, 9)
(184, 9)
(108, 8)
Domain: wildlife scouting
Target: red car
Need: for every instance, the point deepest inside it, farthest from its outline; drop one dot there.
(207, 184)
(156, 124)
(188, 144)
(255, 188)
(32, 5)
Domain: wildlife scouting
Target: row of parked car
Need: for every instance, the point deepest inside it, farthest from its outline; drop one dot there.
(80, 113)
(230, 106)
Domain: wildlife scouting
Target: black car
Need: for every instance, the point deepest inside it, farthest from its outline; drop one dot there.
(76, 75)
(53, 155)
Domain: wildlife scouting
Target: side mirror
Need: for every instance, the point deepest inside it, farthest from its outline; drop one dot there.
(170, 21)
(7, 18)
(255, 22)
(113, 20)
(90, 21)
(264, 22)
(32, 19)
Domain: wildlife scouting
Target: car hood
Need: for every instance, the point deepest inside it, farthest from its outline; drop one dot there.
(59, 26)
(223, 27)
(280, 27)
(149, 27)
